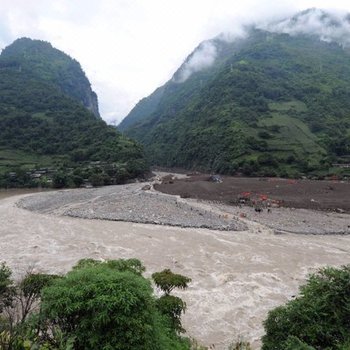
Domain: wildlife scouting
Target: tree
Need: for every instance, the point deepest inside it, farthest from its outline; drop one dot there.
(102, 309)
(319, 317)
(59, 180)
(18, 302)
(171, 306)
(132, 265)
(6, 287)
(29, 291)
(167, 281)
(77, 180)
(98, 305)
(293, 343)
(107, 305)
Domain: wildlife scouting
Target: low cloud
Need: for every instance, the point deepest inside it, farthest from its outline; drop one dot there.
(203, 57)
(328, 26)
(128, 48)
(206, 53)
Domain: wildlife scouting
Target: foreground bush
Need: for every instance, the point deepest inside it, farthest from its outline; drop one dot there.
(98, 305)
(319, 318)
(103, 309)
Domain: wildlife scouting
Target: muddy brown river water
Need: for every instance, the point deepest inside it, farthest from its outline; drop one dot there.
(237, 276)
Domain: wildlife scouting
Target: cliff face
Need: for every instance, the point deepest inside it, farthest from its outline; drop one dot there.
(39, 60)
(91, 103)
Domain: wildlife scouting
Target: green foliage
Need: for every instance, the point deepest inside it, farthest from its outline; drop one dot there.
(98, 305)
(122, 265)
(6, 288)
(59, 180)
(166, 280)
(293, 343)
(171, 306)
(45, 119)
(33, 283)
(267, 94)
(102, 308)
(5, 278)
(319, 317)
(17, 303)
(38, 60)
(105, 305)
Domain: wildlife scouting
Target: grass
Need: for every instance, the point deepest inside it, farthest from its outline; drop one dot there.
(303, 141)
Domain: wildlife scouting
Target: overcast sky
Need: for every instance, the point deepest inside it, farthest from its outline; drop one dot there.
(128, 48)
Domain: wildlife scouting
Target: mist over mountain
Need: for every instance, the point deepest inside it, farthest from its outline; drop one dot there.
(273, 99)
(49, 119)
(325, 25)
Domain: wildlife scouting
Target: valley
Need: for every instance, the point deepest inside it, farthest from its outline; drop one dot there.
(260, 118)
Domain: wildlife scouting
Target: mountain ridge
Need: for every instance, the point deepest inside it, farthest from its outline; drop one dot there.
(48, 135)
(269, 104)
(40, 60)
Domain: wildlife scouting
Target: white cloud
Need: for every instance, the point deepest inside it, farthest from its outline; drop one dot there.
(129, 48)
(330, 26)
(203, 57)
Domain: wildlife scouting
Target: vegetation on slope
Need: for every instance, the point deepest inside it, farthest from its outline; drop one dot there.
(38, 60)
(270, 104)
(44, 124)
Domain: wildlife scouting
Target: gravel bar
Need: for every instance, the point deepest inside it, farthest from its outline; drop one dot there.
(128, 203)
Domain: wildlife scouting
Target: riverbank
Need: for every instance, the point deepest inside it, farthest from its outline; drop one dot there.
(5, 193)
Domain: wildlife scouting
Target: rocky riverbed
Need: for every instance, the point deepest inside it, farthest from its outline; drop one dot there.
(140, 203)
(129, 203)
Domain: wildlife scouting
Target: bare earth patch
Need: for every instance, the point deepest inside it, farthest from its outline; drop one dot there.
(238, 276)
(306, 194)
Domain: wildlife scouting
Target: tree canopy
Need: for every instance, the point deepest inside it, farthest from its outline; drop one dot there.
(97, 305)
(317, 319)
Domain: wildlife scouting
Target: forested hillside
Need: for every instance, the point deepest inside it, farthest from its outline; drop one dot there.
(48, 126)
(268, 104)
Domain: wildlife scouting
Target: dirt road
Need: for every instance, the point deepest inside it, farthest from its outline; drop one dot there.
(237, 276)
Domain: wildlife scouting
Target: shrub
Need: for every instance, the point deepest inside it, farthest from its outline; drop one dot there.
(319, 317)
(107, 305)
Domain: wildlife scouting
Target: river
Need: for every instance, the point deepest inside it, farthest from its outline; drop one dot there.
(5, 193)
(237, 277)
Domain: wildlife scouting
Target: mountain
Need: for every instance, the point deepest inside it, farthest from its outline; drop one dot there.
(50, 124)
(273, 101)
(39, 60)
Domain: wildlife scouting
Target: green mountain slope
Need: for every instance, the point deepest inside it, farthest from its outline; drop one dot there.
(38, 60)
(269, 103)
(45, 122)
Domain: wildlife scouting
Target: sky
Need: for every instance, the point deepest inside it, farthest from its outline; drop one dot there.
(128, 48)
